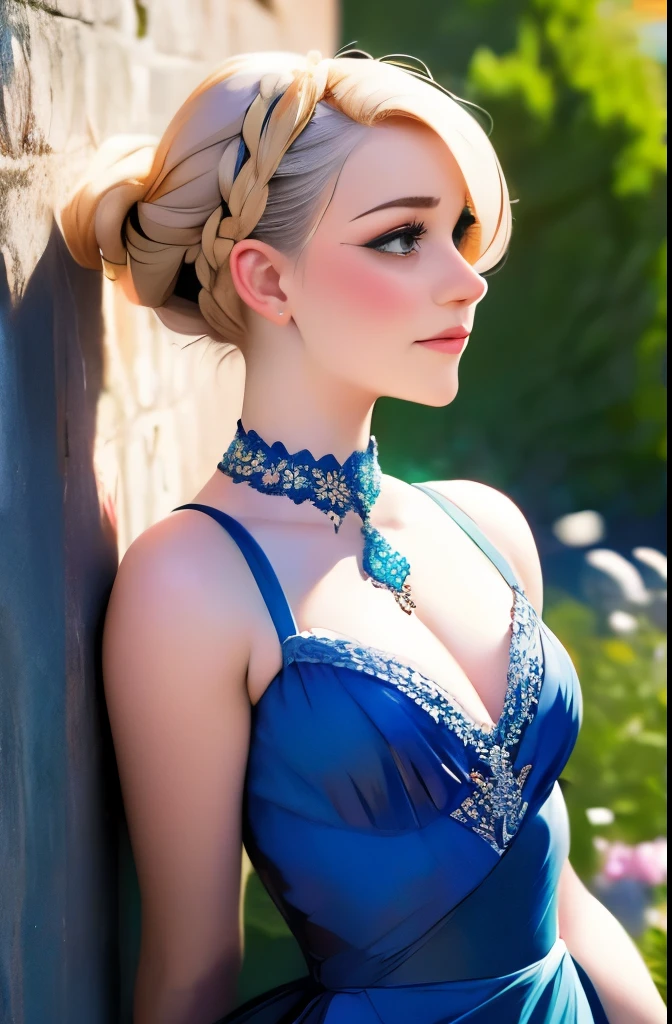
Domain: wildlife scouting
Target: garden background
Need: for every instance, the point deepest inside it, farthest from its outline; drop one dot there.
(107, 421)
(570, 356)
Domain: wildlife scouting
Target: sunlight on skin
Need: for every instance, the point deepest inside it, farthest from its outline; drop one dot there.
(351, 315)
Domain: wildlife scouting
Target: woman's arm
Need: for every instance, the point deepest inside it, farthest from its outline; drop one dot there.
(175, 655)
(592, 934)
(607, 954)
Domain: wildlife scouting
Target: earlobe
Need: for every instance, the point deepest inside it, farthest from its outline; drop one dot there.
(255, 272)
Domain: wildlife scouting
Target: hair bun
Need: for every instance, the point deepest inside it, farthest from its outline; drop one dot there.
(165, 216)
(93, 217)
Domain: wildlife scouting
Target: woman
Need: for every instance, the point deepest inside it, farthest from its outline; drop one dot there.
(389, 754)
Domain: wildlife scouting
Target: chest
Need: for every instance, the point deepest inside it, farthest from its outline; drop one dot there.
(459, 634)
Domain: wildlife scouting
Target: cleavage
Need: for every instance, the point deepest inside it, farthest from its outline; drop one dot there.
(412, 642)
(459, 637)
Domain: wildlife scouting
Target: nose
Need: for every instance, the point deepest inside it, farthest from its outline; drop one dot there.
(457, 281)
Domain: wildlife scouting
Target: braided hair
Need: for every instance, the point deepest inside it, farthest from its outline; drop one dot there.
(248, 155)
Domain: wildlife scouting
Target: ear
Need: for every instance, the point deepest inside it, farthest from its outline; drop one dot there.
(256, 269)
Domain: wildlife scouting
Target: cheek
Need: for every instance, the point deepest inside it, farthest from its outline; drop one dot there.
(365, 288)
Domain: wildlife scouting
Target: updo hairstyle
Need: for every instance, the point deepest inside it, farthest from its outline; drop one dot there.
(249, 155)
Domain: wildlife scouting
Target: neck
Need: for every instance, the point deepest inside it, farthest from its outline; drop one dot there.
(288, 399)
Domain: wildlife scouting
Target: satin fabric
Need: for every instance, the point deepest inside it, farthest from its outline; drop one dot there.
(405, 914)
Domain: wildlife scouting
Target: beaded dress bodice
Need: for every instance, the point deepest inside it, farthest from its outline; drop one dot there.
(414, 853)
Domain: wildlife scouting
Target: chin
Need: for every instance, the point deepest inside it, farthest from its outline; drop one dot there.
(436, 393)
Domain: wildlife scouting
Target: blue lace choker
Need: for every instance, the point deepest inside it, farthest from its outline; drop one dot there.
(333, 488)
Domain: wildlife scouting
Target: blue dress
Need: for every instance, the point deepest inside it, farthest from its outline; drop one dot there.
(414, 855)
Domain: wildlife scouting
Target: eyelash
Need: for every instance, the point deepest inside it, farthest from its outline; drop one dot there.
(417, 229)
(465, 222)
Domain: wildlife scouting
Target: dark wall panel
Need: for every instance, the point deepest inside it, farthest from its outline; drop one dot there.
(58, 789)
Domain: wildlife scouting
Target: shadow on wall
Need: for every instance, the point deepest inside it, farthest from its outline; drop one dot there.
(70, 922)
(58, 557)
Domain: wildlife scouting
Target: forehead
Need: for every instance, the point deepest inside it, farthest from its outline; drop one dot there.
(400, 157)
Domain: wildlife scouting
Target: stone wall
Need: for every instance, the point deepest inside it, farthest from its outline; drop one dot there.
(106, 423)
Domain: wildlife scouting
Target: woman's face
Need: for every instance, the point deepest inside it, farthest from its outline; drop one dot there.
(383, 270)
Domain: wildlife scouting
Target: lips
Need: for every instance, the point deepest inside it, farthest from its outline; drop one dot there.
(449, 346)
(451, 333)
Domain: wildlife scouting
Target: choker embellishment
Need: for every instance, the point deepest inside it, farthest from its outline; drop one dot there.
(333, 488)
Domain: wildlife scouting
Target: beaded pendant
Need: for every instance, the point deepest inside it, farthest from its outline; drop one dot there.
(334, 488)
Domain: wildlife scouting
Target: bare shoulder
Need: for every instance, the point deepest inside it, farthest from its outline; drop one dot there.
(503, 524)
(186, 573)
(177, 633)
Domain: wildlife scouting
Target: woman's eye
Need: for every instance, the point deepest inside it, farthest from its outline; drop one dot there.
(461, 229)
(401, 242)
(404, 241)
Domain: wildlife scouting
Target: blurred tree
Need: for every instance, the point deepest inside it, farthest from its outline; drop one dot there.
(561, 402)
(619, 761)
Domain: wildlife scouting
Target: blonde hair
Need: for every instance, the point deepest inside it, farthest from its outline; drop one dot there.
(249, 154)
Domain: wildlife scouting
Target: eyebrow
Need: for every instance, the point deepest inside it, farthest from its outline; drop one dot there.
(421, 202)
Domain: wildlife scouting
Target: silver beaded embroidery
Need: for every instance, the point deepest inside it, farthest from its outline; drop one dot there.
(495, 808)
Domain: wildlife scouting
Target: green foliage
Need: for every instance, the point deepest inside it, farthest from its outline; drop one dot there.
(619, 759)
(653, 946)
(566, 359)
(518, 73)
(563, 45)
(271, 953)
(650, 399)
(599, 56)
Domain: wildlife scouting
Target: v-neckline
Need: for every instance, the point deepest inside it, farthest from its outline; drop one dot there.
(524, 676)
(524, 671)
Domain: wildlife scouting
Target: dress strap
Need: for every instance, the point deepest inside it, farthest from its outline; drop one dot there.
(472, 530)
(260, 567)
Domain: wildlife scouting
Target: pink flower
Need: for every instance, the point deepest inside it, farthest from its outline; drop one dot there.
(650, 861)
(645, 862)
